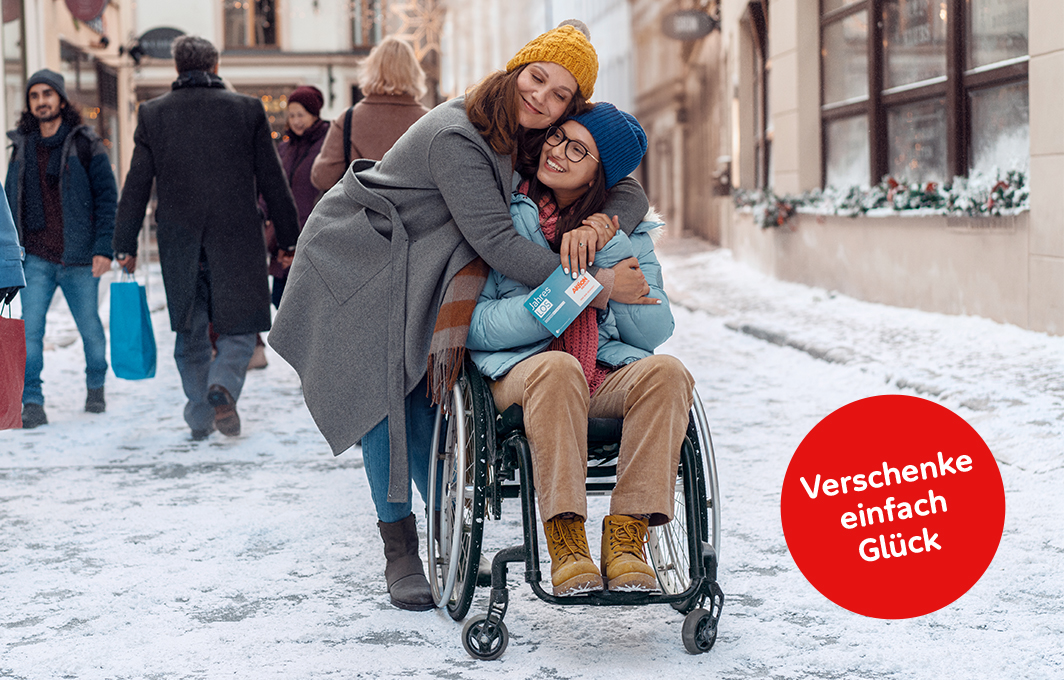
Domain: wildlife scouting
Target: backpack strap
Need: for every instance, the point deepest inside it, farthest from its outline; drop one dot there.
(347, 137)
(84, 148)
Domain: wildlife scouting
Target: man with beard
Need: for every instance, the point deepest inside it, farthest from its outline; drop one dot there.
(63, 197)
(210, 154)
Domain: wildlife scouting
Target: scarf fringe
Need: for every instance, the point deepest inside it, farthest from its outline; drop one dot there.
(443, 371)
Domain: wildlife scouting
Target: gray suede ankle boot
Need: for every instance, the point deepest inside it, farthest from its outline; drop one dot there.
(404, 573)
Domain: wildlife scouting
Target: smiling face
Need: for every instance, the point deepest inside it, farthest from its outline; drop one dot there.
(44, 102)
(567, 178)
(299, 119)
(544, 90)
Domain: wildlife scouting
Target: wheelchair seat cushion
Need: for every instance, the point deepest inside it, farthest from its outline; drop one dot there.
(599, 430)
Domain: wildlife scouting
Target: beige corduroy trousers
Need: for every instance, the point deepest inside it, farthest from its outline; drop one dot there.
(653, 395)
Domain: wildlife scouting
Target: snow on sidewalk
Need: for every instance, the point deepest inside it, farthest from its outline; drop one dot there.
(129, 551)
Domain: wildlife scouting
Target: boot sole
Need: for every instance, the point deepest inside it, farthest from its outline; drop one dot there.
(635, 582)
(412, 607)
(581, 583)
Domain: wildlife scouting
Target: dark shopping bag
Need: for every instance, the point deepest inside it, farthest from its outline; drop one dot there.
(12, 371)
(132, 339)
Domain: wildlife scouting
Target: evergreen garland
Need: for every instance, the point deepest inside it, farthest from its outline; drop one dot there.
(976, 196)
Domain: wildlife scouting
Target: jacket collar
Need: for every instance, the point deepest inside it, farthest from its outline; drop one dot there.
(197, 79)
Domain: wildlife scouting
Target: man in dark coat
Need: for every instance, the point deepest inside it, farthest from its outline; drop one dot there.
(62, 194)
(210, 152)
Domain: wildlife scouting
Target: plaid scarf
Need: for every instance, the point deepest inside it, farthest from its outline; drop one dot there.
(447, 348)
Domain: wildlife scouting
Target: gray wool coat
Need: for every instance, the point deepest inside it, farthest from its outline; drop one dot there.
(210, 152)
(374, 260)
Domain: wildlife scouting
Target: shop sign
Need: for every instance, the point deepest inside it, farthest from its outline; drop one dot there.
(86, 10)
(156, 42)
(688, 24)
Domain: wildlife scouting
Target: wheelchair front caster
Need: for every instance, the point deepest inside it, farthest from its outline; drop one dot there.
(483, 640)
(698, 633)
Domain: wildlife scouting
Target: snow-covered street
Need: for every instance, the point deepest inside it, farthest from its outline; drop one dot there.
(128, 551)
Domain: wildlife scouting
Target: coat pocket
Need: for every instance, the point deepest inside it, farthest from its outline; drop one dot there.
(347, 253)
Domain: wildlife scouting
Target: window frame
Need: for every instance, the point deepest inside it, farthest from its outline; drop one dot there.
(249, 8)
(955, 88)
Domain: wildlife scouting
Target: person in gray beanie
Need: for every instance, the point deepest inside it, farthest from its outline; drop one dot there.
(63, 198)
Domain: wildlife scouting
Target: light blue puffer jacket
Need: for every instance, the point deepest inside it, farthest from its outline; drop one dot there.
(503, 332)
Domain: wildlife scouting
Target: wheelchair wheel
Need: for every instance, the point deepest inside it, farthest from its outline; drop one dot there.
(699, 634)
(668, 547)
(458, 460)
(484, 641)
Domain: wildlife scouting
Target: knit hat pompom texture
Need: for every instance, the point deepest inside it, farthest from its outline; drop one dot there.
(50, 78)
(619, 137)
(566, 46)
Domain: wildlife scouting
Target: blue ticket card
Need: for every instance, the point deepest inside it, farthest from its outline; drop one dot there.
(561, 298)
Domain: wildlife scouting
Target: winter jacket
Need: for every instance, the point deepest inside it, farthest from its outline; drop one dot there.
(297, 156)
(374, 260)
(376, 123)
(211, 154)
(89, 195)
(11, 253)
(503, 332)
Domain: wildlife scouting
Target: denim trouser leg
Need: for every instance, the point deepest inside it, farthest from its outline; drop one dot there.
(35, 298)
(81, 290)
(420, 418)
(192, 352)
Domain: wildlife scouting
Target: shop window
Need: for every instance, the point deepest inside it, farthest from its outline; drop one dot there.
(250, 24)
(928, 90)
(367, 19)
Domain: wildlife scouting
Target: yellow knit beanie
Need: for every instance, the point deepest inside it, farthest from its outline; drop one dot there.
(566, 46)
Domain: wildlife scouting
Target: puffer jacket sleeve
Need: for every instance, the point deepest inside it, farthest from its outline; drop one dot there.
(500, 320)
(645, 326)
(11, 253)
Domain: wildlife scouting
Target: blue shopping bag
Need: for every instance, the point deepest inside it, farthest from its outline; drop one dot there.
(132, 338)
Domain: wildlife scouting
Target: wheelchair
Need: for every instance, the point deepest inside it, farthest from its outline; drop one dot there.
(483, 457)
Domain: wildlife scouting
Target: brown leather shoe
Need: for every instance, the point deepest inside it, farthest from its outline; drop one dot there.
(226, 419)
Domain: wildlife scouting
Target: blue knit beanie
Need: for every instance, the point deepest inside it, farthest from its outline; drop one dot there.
(619, 137)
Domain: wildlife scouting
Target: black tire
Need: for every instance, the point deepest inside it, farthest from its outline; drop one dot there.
(472, 524)
(483, 641)
(699, 634)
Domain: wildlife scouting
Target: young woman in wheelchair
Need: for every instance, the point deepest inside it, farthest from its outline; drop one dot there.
(602, 366)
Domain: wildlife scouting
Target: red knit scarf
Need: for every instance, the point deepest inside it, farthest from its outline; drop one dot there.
(581, 338)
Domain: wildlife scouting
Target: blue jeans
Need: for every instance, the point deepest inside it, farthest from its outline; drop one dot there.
(420, 419)
(192, 352)
(80, 289)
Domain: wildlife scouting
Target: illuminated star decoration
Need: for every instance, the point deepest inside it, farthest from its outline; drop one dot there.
(420, 24)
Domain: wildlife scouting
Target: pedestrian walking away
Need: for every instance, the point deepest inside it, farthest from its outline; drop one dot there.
(62, 194)
(211, 155)
(392, 81)
(375, 285)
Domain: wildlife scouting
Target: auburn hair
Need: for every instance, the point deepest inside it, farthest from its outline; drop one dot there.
(492, 108)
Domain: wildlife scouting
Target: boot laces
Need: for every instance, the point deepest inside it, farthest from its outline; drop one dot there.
(562, 535)
(627, 538)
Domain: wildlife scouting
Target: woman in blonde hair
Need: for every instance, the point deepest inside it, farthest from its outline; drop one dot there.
(392, 81)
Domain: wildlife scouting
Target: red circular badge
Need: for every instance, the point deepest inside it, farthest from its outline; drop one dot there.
(893, 507)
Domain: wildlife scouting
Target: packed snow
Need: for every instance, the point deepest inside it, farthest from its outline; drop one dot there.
(130, 551)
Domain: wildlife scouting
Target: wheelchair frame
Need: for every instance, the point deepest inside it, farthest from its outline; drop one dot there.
(477, 451)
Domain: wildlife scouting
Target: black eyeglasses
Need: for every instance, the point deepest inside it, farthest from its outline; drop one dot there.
(574, 150)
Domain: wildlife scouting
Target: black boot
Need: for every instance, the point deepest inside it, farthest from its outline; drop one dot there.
(404, 573)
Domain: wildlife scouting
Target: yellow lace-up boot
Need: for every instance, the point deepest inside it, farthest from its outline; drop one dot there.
(572, 570)
(624, 565)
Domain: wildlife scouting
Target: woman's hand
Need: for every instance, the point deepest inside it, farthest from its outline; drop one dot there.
(629, 284)
(578, 247)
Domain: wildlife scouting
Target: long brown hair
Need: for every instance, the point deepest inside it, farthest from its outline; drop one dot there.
(492, 108)
(569, 218)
